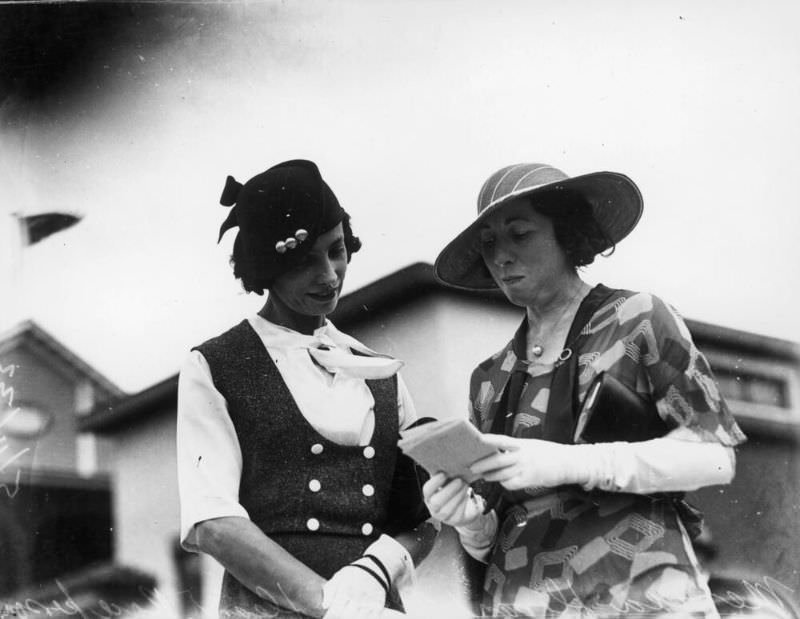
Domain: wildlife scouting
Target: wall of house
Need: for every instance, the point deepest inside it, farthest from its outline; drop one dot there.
(40, 380)
(146, 517)
(755, 522)
(37, 384)
(442, 337)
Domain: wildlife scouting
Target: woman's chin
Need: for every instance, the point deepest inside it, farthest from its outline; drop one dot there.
(321, 306)
(515, 297)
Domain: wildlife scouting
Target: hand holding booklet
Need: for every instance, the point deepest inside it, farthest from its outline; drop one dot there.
(611, 412)
(450, 446)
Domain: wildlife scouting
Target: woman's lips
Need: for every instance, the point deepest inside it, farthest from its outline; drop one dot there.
(323, 296)
(511, 279)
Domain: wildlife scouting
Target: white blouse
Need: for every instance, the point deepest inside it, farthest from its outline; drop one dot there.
(337, 403)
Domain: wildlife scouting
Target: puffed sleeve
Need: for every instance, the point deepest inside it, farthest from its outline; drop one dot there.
(209, 457)
(680, 379)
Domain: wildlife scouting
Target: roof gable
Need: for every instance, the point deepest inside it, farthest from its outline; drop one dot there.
(31, 337)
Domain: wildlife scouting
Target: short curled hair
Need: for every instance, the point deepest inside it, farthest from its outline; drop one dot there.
(574, 226)
(255, 277)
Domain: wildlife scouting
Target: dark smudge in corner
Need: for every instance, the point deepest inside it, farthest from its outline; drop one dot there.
(52, 53)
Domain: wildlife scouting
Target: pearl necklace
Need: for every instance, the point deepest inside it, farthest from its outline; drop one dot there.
(537, 350)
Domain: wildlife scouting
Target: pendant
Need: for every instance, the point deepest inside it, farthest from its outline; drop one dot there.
(537, 350)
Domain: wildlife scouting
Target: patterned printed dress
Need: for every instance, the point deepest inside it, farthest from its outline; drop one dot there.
(568, 552)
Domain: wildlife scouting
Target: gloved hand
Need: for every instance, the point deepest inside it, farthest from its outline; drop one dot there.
(532, 463)
(353, 593)
(451, 501)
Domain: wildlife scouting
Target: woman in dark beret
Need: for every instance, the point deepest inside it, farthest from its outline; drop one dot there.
(289, 471)
(599, 528)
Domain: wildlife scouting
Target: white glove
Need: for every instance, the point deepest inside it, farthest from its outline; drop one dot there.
(451, 501)
(677, 462)
(531, 463)
(353, 593)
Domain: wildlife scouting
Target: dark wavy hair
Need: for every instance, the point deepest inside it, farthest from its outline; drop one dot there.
(575, 228)
(251, 271)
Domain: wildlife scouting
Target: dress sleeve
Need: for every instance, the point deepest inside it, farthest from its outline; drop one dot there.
(209, 457)
(481, 394)
(681, 381)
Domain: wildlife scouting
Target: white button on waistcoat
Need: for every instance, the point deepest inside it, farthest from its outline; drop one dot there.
(369, 452)
(316, 449)
(313, 524)
(368, 489)
(314, 485)
(366, 528)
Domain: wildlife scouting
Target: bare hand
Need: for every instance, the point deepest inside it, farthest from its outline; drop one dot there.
(353, 593)
(526, 463)
(451, 500)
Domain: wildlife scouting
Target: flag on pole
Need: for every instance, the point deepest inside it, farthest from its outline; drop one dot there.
(40, 226)
(26, 230)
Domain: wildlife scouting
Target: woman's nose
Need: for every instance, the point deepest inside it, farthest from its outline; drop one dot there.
(328, 275)
(501, 255)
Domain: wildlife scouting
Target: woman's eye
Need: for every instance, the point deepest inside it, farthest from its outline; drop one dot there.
(487, 241)
(520, 235)
(303, 264)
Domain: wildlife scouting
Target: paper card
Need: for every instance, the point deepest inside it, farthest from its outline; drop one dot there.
(450, 446)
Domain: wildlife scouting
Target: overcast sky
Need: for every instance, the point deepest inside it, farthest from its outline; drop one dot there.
(406, 107)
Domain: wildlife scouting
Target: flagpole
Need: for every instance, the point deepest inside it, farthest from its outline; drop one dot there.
(16, 195)
(16, 293)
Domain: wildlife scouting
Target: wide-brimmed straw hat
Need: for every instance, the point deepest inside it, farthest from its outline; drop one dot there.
(615, 200)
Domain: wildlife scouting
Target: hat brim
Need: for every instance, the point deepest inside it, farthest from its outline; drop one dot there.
(616, 206)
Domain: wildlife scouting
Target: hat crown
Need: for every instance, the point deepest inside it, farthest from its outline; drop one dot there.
(274, 205)
(280, 214)
(516, 179)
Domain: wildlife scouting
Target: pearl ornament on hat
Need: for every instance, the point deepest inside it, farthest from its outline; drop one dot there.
(291, 242)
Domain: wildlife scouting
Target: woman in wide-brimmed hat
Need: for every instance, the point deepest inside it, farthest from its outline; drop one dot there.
(568, 529)
(288, 466)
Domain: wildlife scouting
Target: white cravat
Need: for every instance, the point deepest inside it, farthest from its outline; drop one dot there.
(338, 361)
(328, 385)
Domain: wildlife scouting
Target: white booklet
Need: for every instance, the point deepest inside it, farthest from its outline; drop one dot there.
(451, 446)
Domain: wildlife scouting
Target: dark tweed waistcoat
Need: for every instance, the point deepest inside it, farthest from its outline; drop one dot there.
(323, 502)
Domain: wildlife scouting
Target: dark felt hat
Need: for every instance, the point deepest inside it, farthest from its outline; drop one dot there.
(280, 213)
(614, 198)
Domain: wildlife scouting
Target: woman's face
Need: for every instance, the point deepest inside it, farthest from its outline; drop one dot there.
(312, 288)
(520, 250)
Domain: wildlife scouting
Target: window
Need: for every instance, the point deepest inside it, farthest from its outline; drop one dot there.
(27, 422)
(753, 388)
(757, 388)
